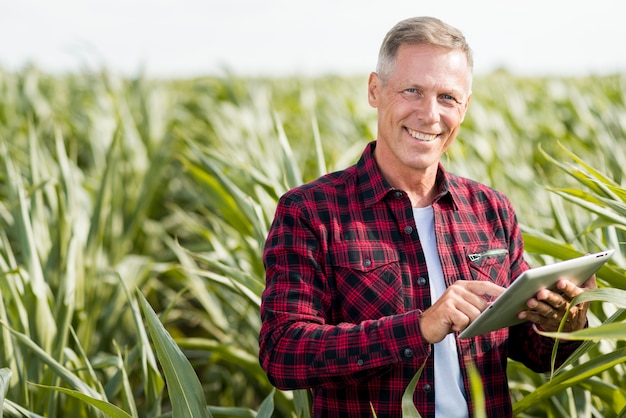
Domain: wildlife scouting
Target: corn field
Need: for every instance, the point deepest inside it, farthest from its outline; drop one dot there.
(133, 213)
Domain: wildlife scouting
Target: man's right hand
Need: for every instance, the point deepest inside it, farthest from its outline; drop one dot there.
(457, 307)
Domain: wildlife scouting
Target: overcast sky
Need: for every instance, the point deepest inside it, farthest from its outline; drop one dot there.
(183, 38)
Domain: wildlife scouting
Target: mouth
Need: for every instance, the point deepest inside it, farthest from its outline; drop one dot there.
(422, 136)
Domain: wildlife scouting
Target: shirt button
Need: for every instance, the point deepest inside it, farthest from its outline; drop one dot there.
(367, 262)
(427, 388)
(360, 362)
(408, 229)
(421, 281)
(398, 195)
(408, 353)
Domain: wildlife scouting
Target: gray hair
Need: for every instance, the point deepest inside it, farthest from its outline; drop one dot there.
(419, 31)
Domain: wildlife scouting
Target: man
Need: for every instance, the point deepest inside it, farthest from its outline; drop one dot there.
(369, 274)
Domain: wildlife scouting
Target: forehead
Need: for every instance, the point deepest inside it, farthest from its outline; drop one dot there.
(432, 65)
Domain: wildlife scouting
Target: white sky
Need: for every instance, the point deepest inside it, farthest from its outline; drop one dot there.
(277, 37)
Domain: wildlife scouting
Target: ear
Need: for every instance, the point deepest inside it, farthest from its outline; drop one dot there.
(373, 90)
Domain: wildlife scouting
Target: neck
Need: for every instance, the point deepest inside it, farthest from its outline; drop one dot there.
(420, 186)
(417, 180)
(421, 199)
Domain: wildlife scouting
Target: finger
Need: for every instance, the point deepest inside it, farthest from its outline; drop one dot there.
(541, 312)
(577, 317)
(451, 312)
(591, 283)
(462, 302)
(551, 300)
(571, 290)
(544, 309)
(550, 324)
(457, 307)
(482, 288)
(460, 319)
(568, 289)
(549, 308)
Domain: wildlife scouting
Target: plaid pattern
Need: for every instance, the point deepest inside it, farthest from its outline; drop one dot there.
(346, 281)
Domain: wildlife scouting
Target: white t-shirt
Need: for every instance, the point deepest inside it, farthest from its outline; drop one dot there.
(450, 401)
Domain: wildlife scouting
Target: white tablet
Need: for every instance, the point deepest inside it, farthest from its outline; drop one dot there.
(503, 311)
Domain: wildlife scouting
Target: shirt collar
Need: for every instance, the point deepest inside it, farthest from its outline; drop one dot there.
(373, 187)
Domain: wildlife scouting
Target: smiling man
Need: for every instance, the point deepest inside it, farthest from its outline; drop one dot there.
(368, 270)
(421, 99)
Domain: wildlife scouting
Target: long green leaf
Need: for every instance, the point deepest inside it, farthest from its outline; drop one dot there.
(106, 407)
(186, 393)
(149, 369)
(408, 406)
(477, 391)
(583, 200)
(588, 345)
(266, 410)
(291, 169)
(613, 396)
(5, 380)
(615, 331)
(65, 374)
(577, 374)
(301, 402)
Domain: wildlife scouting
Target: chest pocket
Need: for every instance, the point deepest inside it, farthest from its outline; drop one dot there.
(489, 262)
(368, 280)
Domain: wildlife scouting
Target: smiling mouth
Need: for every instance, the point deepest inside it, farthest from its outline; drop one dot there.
(422, 136)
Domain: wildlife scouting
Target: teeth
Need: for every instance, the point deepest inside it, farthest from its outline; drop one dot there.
(421, 136)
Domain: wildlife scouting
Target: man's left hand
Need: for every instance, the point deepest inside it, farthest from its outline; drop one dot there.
(548, 307)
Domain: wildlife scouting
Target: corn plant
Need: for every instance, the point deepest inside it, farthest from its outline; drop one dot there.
(134, 212)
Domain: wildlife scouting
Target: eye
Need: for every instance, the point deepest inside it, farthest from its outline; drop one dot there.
(411, 93)
(450, 99)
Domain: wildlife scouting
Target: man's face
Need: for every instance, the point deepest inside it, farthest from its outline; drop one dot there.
(420, 108)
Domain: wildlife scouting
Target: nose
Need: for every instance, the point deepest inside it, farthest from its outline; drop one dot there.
(428, 110)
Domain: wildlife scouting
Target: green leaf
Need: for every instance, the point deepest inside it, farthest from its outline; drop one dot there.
(478, 394)
(408, 406)
(149, 368)
(614, 331)
(568, 378)
(65, 374)
(5, 380)
(266, 410)
(584, 201)
(186, 393)
(611, 395)
(233, 412)
(291, 169)
(301, 401)
(106, 407)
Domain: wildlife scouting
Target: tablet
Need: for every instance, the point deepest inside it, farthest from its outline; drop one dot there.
(503, 311)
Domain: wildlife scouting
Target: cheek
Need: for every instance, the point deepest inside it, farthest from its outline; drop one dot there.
(454, 119)
(392, 115)
(402, 112)
(461, 116)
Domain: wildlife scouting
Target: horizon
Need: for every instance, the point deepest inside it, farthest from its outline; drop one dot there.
(179, 39)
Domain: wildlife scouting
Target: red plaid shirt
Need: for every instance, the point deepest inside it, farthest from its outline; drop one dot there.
(346, 281)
